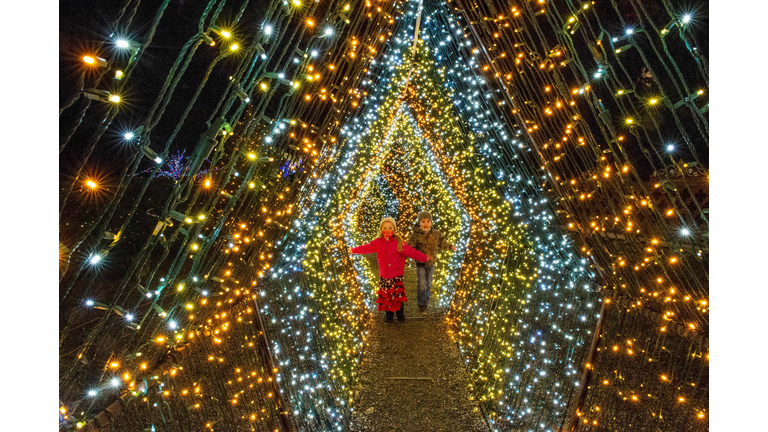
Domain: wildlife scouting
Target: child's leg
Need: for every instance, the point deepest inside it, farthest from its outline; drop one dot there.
(401, 313)
(390, 316)
(422, 295)
(428, 272)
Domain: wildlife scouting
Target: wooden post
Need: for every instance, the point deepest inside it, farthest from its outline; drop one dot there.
(587, 375)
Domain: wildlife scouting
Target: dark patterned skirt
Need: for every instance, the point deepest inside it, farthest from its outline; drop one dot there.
(391, 294)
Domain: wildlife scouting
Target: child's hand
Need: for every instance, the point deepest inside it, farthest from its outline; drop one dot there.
(454, 248)
(429, 258)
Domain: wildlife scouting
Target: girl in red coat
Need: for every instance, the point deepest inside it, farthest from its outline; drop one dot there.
(391, 252)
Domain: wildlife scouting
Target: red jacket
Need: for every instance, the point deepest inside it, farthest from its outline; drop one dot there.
(391, 261)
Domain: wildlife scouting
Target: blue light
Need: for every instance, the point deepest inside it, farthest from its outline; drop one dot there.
(89, 302)
(670, 147)
(630, 31)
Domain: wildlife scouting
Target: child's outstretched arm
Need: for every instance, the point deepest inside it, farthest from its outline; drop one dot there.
(363, 249)
(413, 253)
(443, 244)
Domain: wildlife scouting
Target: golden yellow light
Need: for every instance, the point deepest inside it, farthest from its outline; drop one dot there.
(225, 33)
(114, 98)
(89, 60)
(91, 184)
(233, 47)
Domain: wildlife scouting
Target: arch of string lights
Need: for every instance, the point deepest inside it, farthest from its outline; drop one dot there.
(559, 145)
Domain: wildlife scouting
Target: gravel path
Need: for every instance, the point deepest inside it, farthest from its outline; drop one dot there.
(417, 348)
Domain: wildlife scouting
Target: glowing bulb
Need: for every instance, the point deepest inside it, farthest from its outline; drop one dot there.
(158, 160)
(310, 23)
(91, 392)
(685, 232)
(328, 31)
(267, 30)
(653, 101)
(297, 2)
(687, 19)
(129, 317)
(630, 31)
(91, 184)
(114, 98)
(121, 43)
(129, 136)
(225, 33)
(629, 121)
(233, 47)
(172, 325)
(95, 259)
(89, 302)
(670, 147)
(89, 60)
(115, 382)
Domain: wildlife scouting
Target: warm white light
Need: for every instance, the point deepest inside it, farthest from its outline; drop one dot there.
(114, 98)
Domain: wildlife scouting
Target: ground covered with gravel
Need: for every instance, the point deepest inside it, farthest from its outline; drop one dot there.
(411, 377)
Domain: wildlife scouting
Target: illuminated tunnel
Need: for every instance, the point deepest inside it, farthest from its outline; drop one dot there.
(208, 198)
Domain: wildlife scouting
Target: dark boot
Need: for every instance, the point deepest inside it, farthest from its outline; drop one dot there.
(401, 313)
(390, 317)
